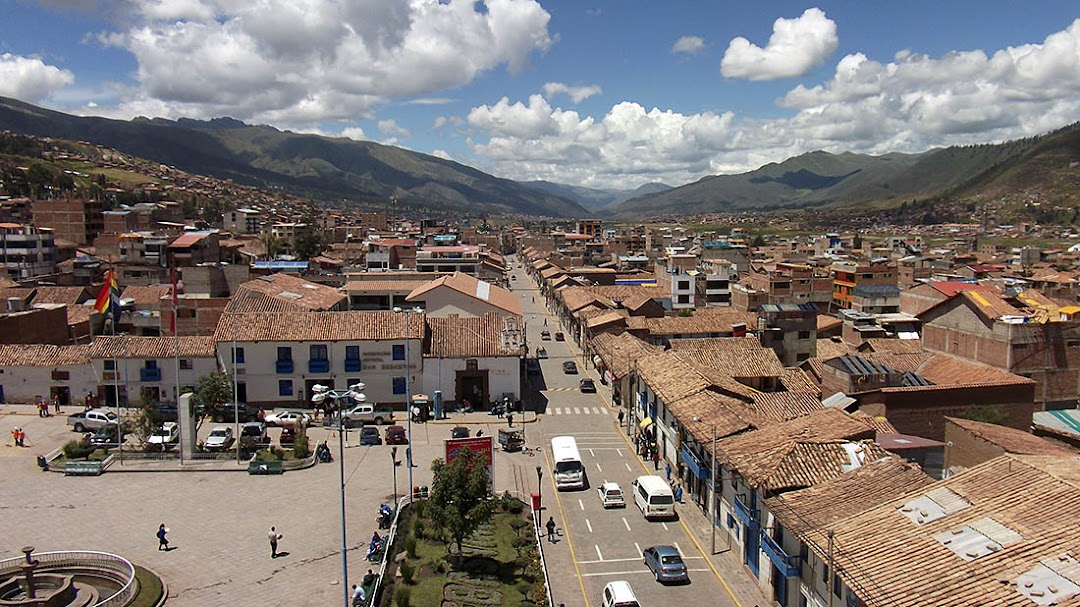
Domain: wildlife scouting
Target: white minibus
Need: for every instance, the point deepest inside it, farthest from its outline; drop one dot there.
(653, 496)
(569, 473)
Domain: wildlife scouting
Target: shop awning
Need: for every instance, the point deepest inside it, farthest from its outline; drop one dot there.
(645, 423)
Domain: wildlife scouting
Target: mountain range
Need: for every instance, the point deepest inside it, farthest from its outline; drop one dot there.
(330, 169)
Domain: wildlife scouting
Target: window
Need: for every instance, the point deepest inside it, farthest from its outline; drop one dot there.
(318, 352)
(284, 387)
(284, 353)
(151, 364)
(684, 285)
(399, 385)
(58, 375)
(399, 354)
(836, 585)
(352, 352)
(110, 365)
(238, 356)
(804, 335)
(802, 356)
(185, 363)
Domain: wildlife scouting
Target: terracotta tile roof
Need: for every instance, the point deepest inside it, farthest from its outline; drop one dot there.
(828, 348)
(1017, 502)
(782, 406)
(892, 346)
(723, 344)
(127, 346)
(79, 314)
(943, 369)
(471, 286)
(825, 323)
(356, 286)
(576, 298)
(547, 273)
(692, 325)
(43, 355)
(471, 337)
(737, 362)
(606, 317)
(669, 377)
(295, 290)
(805, 463)
(187, 240)
(817, 507)
(1012, 440)
(148, 296)
(620, 351)
(636, 301)
(23, 294)
(6, 282)
(880, 424)
(797, 380)
(250, 302)
(620, 293)
(320, 326)
(820, 425)
(710, 409)
(61, 295)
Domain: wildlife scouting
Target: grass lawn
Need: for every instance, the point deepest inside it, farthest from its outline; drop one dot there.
(491, 573)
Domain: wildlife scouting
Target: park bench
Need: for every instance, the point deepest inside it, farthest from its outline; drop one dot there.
(82, 468)
(265, 468)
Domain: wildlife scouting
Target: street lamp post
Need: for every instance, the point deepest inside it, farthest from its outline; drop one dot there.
(321, 393)
(712, 481)
(539, 493)
(394, 462)
(408, 396)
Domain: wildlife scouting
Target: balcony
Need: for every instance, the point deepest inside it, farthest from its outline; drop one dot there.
(352, 365)
(284, 366)
(787, 564)
(319, 366)
(149, 375)
(745, 514)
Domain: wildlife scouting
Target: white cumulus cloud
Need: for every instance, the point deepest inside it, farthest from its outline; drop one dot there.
(30, 79)
(690, 45)
(301, 62)
(391, 127)
(577, 94)
(796, 46)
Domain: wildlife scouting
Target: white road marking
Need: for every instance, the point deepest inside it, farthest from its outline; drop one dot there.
(599, 554)
(598, 467)
(624, 522)
(589, 525)
(619, 573)
(591, 454)
(637, 547)
(665, 526)
(608, 561)
(581, 504)
(676, 544)
(619, 451)
(628, 468)
(577, 411)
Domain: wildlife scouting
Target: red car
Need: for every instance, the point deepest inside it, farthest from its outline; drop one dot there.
(395, 435)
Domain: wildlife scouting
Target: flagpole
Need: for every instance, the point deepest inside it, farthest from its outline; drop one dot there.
(176, 343)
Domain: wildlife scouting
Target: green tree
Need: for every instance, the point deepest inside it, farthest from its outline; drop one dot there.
(309, 243)
(212, 390)
(272, 244)
(459, 501)
(991, 414)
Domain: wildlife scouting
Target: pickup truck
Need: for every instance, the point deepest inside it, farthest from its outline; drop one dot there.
(368, 414)
(94, 419)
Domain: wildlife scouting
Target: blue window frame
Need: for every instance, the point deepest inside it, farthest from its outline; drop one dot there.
(151, 364)
(284, 387)
(284, 353)
(399, 385)
(238, 355)
(352, 352)
(110, 364)
(352, 360)
(318, 352)
(399, 353)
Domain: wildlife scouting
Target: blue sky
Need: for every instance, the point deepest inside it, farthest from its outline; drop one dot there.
(601, 94)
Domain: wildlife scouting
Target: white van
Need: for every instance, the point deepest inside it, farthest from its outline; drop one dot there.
(654, 497)
(619, 594)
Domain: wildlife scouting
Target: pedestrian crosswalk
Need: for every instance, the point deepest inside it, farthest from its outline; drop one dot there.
(576, 411)
(567, 389)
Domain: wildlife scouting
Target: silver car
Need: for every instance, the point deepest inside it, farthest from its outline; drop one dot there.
(220, 438)
(666, 564)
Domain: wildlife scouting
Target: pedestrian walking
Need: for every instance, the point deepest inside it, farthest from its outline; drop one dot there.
(655, 459)
(678, 493)
(551, 529)
(622, 416)
(667, 471)
(274, 536)
(56, 403)
(163, 541)
(510, 420)
(18, 436)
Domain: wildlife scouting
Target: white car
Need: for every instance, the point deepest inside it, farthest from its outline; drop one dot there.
(165, 437)
(611, 495)
(287, 419)
(220, 439)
